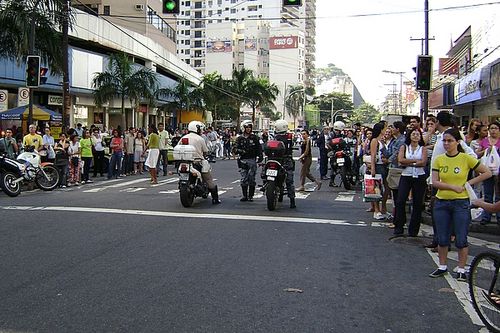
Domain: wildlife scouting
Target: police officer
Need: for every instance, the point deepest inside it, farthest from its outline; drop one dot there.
(281, 129)
(249, 149)
(195, 129)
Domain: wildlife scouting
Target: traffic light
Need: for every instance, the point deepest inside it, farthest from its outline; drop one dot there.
(32, 71)
(288, 3)
(43, 75)
(424, 72)
(171, 6)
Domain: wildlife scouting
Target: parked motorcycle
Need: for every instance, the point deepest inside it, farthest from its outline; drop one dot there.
(191, 184)
(273, 173)
(44, 174)
(341, 164)
(10, 172)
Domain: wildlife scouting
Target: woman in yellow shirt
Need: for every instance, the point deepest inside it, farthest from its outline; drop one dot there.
(451, 210)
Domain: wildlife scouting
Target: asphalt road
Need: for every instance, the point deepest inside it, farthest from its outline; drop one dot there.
(125, 256)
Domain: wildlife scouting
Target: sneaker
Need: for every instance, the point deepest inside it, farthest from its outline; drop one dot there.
(379, 216)
(461, 277)
(438, 273)
(90, 181)
(83, 182)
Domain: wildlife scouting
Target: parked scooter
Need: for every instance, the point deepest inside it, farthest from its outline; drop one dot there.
(191, 183)
(340, 163)
(44, 174)
(10, 171)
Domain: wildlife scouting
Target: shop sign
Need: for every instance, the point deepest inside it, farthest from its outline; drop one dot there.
(114, 111)
(23, 96)
(4, 100)
(55, 100)
(495, 77)
(287, 42)
(468, 89)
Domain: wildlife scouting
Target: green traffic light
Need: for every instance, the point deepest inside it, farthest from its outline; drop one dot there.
(170, 5)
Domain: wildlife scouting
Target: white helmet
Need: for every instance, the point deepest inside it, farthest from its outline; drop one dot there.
(338, 125)
(246, 123)
(196, 126)
(281, 126)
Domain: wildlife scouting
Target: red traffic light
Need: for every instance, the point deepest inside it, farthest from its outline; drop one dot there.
(32, 71)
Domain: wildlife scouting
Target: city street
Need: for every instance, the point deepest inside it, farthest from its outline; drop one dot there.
(125, 256)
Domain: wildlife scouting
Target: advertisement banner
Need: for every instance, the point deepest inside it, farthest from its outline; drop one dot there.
(4, 100)
(468, 88)
(287, 42)
(55, 100)
(250, 44)
(214, 46)
(448, 66)
(23, 96)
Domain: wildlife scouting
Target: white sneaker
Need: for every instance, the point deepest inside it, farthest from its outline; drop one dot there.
(90, 181)
(379, 216)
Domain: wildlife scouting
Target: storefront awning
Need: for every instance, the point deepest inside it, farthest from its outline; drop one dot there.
(39, 113)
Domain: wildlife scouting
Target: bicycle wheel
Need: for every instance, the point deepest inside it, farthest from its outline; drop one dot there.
(484, 287)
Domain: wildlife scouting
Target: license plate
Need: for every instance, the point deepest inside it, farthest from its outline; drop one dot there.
(271, 172)
(340, 160)
(183, 176)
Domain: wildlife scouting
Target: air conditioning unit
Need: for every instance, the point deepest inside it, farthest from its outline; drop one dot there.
(139, 7)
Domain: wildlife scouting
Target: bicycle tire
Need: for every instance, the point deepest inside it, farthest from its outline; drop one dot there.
(484, 280)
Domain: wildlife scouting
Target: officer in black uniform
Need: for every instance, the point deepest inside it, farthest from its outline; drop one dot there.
(281, 130)
(249, 149)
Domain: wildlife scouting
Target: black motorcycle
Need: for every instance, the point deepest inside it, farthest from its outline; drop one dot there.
(274, 173)
(11, 173)
(341, 164)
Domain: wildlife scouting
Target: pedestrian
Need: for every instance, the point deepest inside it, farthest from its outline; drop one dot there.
(164, 147)
(116, 145)
(48, 147)
(32, 140)
(451, 209)
(86, 154)
(62, 158)
(413, 157)
(98, 145)
(250, 153)
(378, 166)
(306, 159)
(139, 152)
(153, 154)
(74, 152)
(472, 130)
(395, 169)
(322, 143)
(10, 144)
(128, 158)
(491, 188)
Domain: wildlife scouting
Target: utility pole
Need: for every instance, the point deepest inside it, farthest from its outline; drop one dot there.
(424, 108)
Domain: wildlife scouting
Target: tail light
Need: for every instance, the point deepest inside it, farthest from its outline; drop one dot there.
(185, 141)
(339, 154)
(184, 168)
(272, 165)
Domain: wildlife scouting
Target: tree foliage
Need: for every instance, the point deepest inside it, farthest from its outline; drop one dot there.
(325, 74)
(123, 80)
(364, 114)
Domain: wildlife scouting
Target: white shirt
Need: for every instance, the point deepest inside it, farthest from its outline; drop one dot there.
(411, 154)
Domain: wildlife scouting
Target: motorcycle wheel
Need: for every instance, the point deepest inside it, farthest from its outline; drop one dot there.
(345, 178)
(52, 180)
(187, 196)
(271, 195)
(8, 186)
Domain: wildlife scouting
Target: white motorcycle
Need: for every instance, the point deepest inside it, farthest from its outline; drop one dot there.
(44, 174)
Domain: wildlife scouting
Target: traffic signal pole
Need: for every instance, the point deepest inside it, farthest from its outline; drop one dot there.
(31, 51)
(424, 106)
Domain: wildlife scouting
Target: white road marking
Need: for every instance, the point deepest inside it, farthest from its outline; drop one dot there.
(166, 181)
(342, 197)
(132, 189)
(169, 192)
(97, 210)
(131, 182)
(236, 181)
(300, 195)
(227, 188)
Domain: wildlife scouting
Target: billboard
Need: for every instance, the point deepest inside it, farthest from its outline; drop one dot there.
(287, 42)
(250, 44)
(219, 46)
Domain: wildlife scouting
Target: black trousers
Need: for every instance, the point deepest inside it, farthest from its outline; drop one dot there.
(98, 162)
(417, 186)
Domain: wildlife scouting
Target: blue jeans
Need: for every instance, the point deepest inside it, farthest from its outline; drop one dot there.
(491, 195)
(115, 164)
(452, 215)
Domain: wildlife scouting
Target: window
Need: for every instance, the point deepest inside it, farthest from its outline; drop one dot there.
(187, 51)
(233, 10)
(106, 11)
(252, 8)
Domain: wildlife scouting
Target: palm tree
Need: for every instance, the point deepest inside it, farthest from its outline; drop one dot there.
(184, 97)
(261, 93)
(238, 87)
(123, 80)
(295, 101)
(212, 93)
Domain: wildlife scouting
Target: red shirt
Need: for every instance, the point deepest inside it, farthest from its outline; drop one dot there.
(116, 144)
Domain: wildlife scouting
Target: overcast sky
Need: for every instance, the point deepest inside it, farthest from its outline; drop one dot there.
(365, 46)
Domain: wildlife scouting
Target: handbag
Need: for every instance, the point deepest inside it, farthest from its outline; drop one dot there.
(491, 160)
(372, 188)
(393, 178)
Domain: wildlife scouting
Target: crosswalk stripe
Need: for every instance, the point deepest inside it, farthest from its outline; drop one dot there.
(165, 181)
(169, 192)
(236, 181)
(347, 198)
(132, 189)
